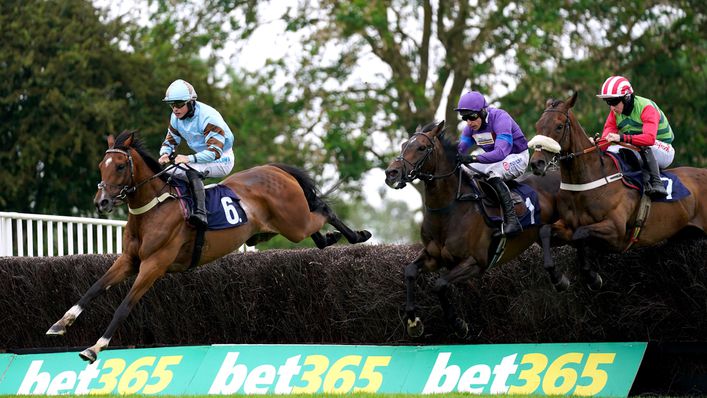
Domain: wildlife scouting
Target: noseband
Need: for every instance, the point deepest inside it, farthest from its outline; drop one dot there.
(415, 169)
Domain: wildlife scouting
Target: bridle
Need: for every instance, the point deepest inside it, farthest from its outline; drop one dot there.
(131, 187)
(415, 169)
(560, 155)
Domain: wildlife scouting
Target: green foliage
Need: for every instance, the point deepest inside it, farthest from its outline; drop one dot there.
(665, 63)
(64, 86)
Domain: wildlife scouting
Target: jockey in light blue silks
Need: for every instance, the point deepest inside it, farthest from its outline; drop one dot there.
(505, 148)
(206, 133)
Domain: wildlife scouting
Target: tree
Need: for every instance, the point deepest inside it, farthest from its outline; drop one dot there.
(65, 85)
(660, 48)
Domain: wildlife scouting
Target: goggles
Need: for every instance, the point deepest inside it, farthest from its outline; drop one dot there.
(471, 116)
(176, 104)
(612, 101)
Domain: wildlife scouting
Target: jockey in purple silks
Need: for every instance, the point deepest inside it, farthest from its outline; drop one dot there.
(505, 149)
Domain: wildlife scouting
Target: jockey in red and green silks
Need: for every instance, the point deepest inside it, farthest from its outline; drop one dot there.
(638, 121)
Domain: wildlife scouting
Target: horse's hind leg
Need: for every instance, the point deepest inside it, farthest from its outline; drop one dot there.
(118, 272)
(150, 270)
(350, 235)
(323, 241)
(558, 279)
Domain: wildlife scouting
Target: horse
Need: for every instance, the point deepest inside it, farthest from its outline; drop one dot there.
(276, 199)
(594, 207)
(455, 234)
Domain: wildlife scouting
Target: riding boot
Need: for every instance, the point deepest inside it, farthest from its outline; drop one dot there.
(198, 214)
(511, 225)
(655, 188)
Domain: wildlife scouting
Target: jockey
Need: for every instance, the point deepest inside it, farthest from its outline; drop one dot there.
(638, 121)
(206, 133)
(505, 148)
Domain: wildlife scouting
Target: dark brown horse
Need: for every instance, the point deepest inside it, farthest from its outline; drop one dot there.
(604, 215)
(277, 199)
(455, 234)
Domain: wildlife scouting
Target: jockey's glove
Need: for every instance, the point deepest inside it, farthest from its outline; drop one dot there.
(466, 159)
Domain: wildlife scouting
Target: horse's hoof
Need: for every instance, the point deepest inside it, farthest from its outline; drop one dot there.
(596, 283)
(88, 355)
(415, 328)
(563, 284)
(461, 329)
(364, 236)
(56, 330)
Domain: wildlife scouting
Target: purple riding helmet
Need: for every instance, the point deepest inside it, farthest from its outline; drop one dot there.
(472, 101)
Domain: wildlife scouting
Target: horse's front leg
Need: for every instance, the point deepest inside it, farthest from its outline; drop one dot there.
(558, 279)
(118, 272)
(150, 270)
(591, 278)
(464, 271)
(611, 231)
(414, 325)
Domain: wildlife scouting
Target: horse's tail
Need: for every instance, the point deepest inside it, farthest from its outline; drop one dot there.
(311, 192)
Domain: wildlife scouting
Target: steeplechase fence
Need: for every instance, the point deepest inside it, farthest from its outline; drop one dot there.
(23, 234)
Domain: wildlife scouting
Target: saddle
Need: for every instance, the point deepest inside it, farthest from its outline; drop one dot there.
(633, 176)
(525, 201)
(223, 207)
(492, 204)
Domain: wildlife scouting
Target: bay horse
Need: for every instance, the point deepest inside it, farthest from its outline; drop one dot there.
(455, 234)
(276, 198)
(593, 208)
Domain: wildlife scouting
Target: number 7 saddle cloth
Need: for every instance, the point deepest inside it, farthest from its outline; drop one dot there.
(633, 177)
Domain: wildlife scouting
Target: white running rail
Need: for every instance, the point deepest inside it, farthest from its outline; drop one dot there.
(23, 234)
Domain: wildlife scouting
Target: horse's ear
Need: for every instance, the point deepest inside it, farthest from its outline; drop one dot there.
(549, 102)
(439, 129)
(570, 101)
(129, 141)
(111, 140)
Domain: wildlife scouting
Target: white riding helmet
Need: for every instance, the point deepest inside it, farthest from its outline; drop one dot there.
(180, 90)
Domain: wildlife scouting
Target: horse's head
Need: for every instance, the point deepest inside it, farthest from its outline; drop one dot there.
(553, 134)
(418, 156)
(117, 173)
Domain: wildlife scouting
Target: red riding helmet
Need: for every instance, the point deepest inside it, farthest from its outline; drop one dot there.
(615, 86)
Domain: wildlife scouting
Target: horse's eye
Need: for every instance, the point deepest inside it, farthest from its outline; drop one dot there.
(421, 149)
(121, 167)
(559, 127)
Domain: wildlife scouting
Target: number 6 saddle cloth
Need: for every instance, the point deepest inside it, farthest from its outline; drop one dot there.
(223, 206)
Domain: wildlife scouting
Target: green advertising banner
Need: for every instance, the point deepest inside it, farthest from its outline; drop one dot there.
(598, 369)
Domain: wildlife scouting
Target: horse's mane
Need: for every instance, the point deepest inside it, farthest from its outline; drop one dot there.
(555, 103)
(139, 147)
(450, 147)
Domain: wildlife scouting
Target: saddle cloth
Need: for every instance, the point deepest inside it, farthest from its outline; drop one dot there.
(526, 203)
(223, 206)
(633, 178)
